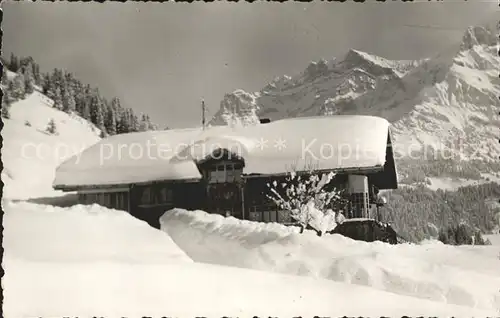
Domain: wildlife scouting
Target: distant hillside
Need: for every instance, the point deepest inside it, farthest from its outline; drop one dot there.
(49, 117)
(71, 96)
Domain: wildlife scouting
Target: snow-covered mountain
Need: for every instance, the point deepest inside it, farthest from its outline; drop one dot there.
(30, 155)
(448, 101)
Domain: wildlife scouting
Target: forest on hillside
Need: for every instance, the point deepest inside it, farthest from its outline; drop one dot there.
(71, 96)
(412, 171)
(418, 212)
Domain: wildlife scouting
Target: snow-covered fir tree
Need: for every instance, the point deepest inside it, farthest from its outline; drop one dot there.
(134, 121)
(18, 87)
(51, 127)
(57, 98)
(5, 79)
(124, 122)
(110, 120)
(29, 79)
(68, 100)
(37, 75)
(6, 103)
(96, 112)
(14, 63)
(152, 126)
(144, 123)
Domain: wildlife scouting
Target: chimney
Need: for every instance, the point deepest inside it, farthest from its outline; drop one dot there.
(265, 120)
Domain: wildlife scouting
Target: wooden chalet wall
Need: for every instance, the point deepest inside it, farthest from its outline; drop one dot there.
(222, 190)
(113, 198)
(149, 201)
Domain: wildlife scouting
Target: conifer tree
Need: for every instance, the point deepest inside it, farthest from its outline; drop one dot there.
(14, 63)
(133, 120)
(58, 99)
(143, 124)
(51, 127)
(46, 84)
(37, 75)
(85, 112)
(110, 120)
(96, 111)
(82, 100)
(18, 88)
(125, 126)
(29, 79)
(119, 115)
(152, 126)
(5, 79)
(68, 101)
(57, 78)
(6, 103)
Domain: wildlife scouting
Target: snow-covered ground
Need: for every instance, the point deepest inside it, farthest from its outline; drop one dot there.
(30, 155)
(495, 240)
(92, 261)
(434, 271)
(451, 184)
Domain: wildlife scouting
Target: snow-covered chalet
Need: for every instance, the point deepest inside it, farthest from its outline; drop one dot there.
(226, 169)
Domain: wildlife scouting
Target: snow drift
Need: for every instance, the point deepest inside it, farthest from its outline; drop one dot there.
(433, 271)
(92, 261)
(44, 233)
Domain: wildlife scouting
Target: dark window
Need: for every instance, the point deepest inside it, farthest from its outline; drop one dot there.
(225, 172)
(146, 197)
(165, 195)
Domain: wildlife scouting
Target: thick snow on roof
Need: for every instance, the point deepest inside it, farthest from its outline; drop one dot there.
(323, 143)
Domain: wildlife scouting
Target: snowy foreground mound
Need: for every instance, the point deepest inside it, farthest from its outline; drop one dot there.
(92, 261)
(467, 276)
(44, 233)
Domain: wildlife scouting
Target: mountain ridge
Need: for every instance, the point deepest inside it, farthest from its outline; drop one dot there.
(444, 103)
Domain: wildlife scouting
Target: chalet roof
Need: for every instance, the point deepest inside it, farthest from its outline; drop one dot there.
(324, 143)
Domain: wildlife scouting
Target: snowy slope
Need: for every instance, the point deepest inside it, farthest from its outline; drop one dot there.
(454, 275)
(445, 101)
(30, 155)
(94, 274)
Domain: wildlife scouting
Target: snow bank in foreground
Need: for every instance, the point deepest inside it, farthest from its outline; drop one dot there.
(194, 290)
(83, 234)
(92, 261)
(433, 271)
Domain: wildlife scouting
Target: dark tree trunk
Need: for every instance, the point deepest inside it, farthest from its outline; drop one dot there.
(302, 228)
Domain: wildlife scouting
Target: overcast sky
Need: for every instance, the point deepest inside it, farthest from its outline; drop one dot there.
(163, 58)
